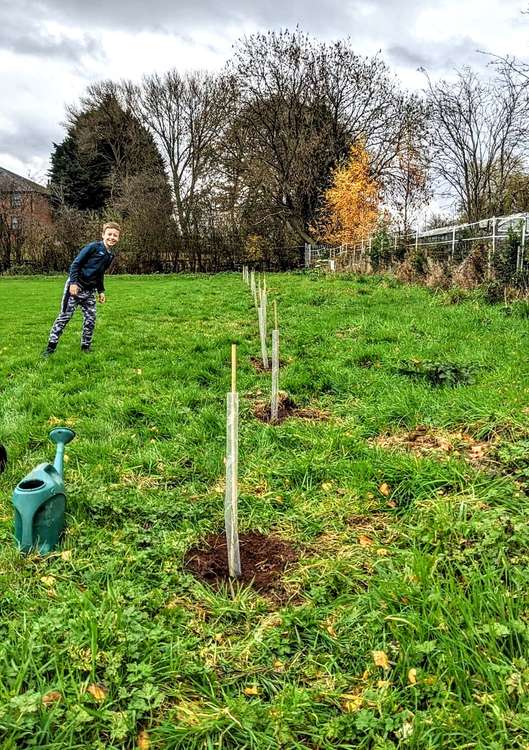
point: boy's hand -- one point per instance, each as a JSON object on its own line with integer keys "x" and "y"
{"x": 102, "y": 297}
{"x": 74, "y": 290}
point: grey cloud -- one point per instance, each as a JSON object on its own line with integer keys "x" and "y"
{"x": 30, "y": 140}
{"x": 405, "y": 56}
{"x": 26, "y": 37}
{"x": 185, "y": 15}
{"x": 439, "y": 58}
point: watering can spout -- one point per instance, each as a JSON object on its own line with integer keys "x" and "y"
{"x": 61, "y": 436}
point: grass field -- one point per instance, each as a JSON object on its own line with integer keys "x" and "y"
{"x": 405, "y": 620}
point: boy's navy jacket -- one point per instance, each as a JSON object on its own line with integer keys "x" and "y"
{"x": 88, "y": 268}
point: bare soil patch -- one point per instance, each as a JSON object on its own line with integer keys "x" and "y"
{"x": 424, "y": 441}
{"x": 287, "y": 407}
{"x": 257, "y": 364}
{"x": 263, "y": 561}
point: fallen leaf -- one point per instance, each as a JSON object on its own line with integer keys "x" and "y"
{"x": 364, "y": 541}
{"x": 331, "y": 631}
{"x": 48, "y": 580}
{"x": 383, "y": 684}
{"x": 351, "y": 703}
{"x": 66, "y": 554}
{"x": 383, "y": 552}
{"x": 412, "y": 676}
{"x": 143, "y": 742}
{"x": 253, "y": 690}
{"x": 392, "y": 504}
{"x": 326, "y": 486}
{"x": 381, "y": 659}
{"x": 97, "y": 692}
{"x": 384, "y": 489}
{"x": 279, "y": 666}
{"x": 52, "y": 697}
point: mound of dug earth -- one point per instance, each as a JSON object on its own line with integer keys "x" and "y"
{"x": 263, "y": 560}
{"x": 287, "y": 407}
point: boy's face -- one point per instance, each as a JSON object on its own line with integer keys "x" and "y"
{"x": 110, "y": 237}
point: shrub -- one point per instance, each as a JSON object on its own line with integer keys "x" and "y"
{"x": 439, "y": 373}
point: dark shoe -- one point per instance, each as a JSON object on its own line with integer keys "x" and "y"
{"x": 86, "y": 348}
{"x": 49, "y": 350}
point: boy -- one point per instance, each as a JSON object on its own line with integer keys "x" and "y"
{"x": 86, "y": 276}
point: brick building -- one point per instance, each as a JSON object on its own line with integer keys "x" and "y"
{"x": 21, "y": 200}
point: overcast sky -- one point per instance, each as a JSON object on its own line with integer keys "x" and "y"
{"x": 50, "y": 50}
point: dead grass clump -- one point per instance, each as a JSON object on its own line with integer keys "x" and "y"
{"x": 473, "y": 270}
{"x": 437, "y": 276}
{"x": 424, "y": 441}
{"x": 405, "y": 272}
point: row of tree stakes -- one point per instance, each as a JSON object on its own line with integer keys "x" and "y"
{"x": 259, "y": 293}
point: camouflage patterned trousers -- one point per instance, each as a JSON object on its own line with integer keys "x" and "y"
{"x": 87, "y": 302}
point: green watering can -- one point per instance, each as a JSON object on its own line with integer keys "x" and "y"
{"x": 40, "y": 501}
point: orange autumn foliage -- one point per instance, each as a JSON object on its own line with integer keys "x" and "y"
{"x": 351, "y": 205}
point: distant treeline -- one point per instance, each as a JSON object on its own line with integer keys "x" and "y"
{"x": 206, "y": 171}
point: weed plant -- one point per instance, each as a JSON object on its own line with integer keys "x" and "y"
{"x": 406, "y": 619}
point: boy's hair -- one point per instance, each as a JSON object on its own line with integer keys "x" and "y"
{"x": 111, "y": 225}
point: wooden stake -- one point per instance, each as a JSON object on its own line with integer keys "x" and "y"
{"x": 275, "y": 315}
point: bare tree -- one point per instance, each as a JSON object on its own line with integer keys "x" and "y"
{"x": 187, "y": 115}
{"x": 478, "y": 137}
{"x": 303, "y": 103}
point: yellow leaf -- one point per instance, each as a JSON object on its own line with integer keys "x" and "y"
{"x": 52, "y": 697}
{"x": 364, "y": 541}
{"x": 326, "y": 486}
{"x": 383, "y": 552}
{"x": 412, "y": 676}
{"x": 66, "y": 554}
{"x": 97, "y": 692}
{"x": 48, "y": 580}
{"x": 143, "y": 742}
{"x": 351, "y": 703}
{"x": 381, "y": 659}
{"x": 253, "y": 690}
{"x": 278, "y": 666}
{"x": 384, "y": 489}
{"x": 383, "y": 684}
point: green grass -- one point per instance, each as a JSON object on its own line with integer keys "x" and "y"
{"x": 435, "y": 574}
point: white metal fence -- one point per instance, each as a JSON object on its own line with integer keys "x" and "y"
{"x": 448, "y": 245}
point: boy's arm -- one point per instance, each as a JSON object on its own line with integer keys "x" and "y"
{"x": 78, "y": 262}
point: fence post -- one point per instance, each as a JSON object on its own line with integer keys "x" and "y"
{"x": 452, "y": 250}
{"x": 492, "y": 251}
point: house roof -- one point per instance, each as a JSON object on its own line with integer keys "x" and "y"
{"x": 11, "y": 182}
